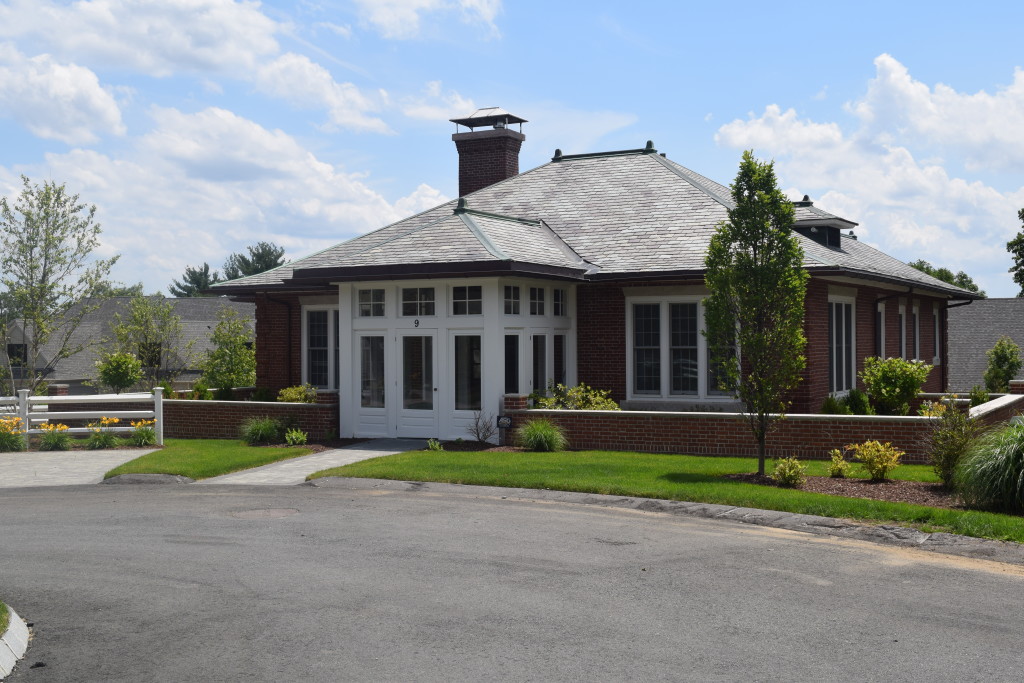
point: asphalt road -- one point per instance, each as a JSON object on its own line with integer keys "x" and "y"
{"x": 187, "y": 583}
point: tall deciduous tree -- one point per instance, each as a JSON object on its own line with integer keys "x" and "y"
{"x": 756, "y": 305}
{"x": 232, "y": 361}
{"x": 194, "y": 281}
{"x": 959, "y": 279}
{"x": 150, "y": 330}
{"x": 1016, "y": 249}
{"x": 262, "y": 257}
{"x": 47, "y": 274}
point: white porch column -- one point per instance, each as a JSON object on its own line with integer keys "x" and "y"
{"x": 347, "y": 380}
{"x": 493, "y": 345}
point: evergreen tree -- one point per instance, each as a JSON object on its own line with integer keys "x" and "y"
{"x": 262, "y": 257}
{"x": 194, "y": 282}
{"x": 756, "y": 305}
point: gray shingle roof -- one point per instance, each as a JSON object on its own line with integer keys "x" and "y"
{"x": 973, "y": 330}
{"x": 622, "y": 213}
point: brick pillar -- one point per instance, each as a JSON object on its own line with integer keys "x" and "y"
{"x": 512, "y": 402}
{"x": 1017, "y": 386}
{"x": 64, "y": 390}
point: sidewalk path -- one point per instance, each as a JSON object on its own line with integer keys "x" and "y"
{"x": 294, "y": 471}
{"x": 61, "y": 468}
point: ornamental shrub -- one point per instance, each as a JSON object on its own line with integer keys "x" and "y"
{"x": 542, "y": 435}
{"x": 434, "y": 445}
{"x": 200, "y": 391}
{"x": 261, "y": 431}
{"x": 978, "y": 395}
{"x": 834, "y": 406}
{"x": 295, "y": 437}
{"x": 55, "y": 437}
{"x": 789, "y": 472}
{"x": 893, "y": 382}
{"x": 952, "y": 435}
{"x": 11, "y": 435}
{"x": 119, "y": 371}
{"x": 303, "y": 393}
{"x": 1003, "y": 365}
{"x": 838, "y": 467}
{"x": 877, "y": 459}
{"x": 991, "y": 474}
{"x": 579, "y": 397}
{"x": 857, "y": 402}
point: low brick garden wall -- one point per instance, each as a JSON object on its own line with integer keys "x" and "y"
{"x": 185, "y": 419}
{"x": 728, "y": 434}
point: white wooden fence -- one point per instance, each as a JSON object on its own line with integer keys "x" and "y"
{"x": 36, "y": 410}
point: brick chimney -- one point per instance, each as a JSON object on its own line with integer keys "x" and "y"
{"x": 490, "y": 155}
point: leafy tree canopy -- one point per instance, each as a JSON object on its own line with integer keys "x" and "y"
{"x": 194, "y": 282}
{"x": 262, "y": 257}
{"x": 232, "y": 361}
{"x": 109, "y": 289}
{"x": 960, "y": 279}
{"x": 150, "y": 330}
{"x": 1016, "y": 249}
{"x": 757, "y": 283}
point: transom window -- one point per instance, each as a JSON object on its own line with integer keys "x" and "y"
{"x": 840, "y": 345}
{"x": 417, "y": 301}
{"x": 536, "y": 301}
{"x": 511, "y": 300}
{"x": 467, "y": 300}
{"x": 371, "y": 303}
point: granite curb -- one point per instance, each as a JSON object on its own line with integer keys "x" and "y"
{"x": 13, "y": 643}
{"x": 948, "y": 544}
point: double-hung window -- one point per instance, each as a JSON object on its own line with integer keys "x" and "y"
{"x": 841, "y": 344}
{"x": 915, "y": 330}
{"x": 880, "y": 329}
{"x": 936, "y": 334}
{"x": 903, "y": 330}
{"x": 320, "y": 333}
{"x": 669, "y": 356}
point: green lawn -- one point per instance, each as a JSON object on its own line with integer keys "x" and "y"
{"x": 204, "y": 458}
{"x": 674, "y": 477}
{"x": 5, "y": 618}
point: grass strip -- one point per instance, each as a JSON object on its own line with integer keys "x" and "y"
{"x": 675, "y": 477}
{"x": 5, "y": 618}
{"x": 205, "y": 458}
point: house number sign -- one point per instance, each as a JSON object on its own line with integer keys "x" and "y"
{"x": 416, "y": 323}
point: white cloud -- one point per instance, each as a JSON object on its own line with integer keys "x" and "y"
{"x": 297, "y": 79}
{"x": 890, "y": 172}
{"x": 437, "y": 105}
{"x": 203, "y": 185}
{"x": 401, "y": 19}
{"x": 56, "y": 101}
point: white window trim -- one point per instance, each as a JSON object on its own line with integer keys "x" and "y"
{"x": 839, "y": 299}
{"x": 937, "y": 334}
{"x": 332, "y": 335}
{"x": 370, "y": 289}
{"x": 703, "y": 393}
{"x": 400, "y": 302}
{"x": 451, "y": 302}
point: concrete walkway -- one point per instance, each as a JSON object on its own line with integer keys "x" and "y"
{"x": 61, "y": 468}
{"x": 296, "y": 470}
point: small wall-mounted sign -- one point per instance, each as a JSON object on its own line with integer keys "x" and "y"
{"x": 504, "y": 422}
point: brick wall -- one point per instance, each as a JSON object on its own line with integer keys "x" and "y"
{"x": 223, "y": 419}
{"x": 278, "y": 341}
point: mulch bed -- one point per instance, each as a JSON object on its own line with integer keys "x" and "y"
{"x": 895, "y": 490}
{"x": 479, "y": 446}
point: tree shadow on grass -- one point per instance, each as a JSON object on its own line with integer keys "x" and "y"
{"x": 695, "y": 478}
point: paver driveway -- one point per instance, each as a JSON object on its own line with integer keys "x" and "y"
{"x": 61, "y": 468}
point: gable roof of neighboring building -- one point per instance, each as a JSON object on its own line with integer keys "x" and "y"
{"x": 973, "y": 330}
{"x": 199, "y": 316}
{"x": 616, "y": 215}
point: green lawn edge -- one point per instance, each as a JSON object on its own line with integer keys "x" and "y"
{"x": 5, "y": 618}
{"x": 205, "y": 458}
{"x": 675, "y": 477}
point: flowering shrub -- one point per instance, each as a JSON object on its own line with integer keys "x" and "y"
{"x": 55, "y": 437}
{"x": 144, "y": 434}
{"x": 101, "y": 435}
{"x": 11, "y": 434}
{"x": 933, "y": 408}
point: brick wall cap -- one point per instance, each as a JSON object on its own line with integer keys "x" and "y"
{"x": 213, "y": 403}
{"x": 978, "y": 412}
{"x": 802, "y": 417}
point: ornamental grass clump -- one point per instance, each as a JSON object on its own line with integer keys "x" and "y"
{"x": 991, "y": 474}
{"x": 143, "y": 433}
{"x": 257, "y": 431}
{"x": 54, "y": 437}
{"x": 877, "y": 459}
{"x": 542, "y": 435}
{"x": 101, "y": 434}
{"x": 11, "y": 435}
{"x": 789, "y": 473}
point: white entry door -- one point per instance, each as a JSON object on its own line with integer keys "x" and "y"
{"x": 417, "y": 384}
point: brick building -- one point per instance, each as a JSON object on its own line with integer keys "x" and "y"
{"x": 588, "y": 268}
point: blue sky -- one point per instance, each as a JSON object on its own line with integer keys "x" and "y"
{"x": 198, "y": 127}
